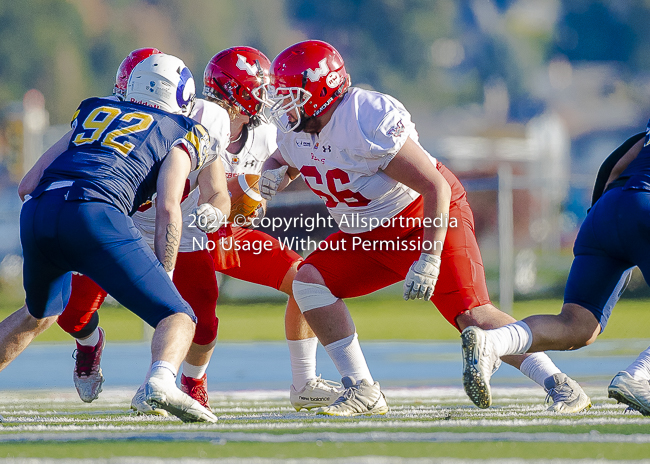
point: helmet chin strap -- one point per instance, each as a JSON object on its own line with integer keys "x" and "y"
{"x": 304, "y": 119}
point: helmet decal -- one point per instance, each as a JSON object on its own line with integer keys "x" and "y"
{"x": 242, "y": 64}
{"x": 315, "y": 74}
{"x": 186, "y": 88}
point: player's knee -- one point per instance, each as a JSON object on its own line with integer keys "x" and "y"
{"x": 580, "y": 324}
{"x": 309, "y": 295}
{"x": 206, "y": 331}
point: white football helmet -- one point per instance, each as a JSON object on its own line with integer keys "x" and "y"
{"x": 164, "y": 82}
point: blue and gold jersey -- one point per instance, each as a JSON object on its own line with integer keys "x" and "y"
{"x": 116, "y": 151}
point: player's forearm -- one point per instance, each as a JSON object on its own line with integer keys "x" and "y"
{"x": 436, "y": 207}
{"x": 33, "y": 176}
{"x": 169, "y": 224}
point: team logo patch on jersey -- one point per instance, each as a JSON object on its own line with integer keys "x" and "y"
{"x": 235, "y": 160}
{"x": 397, "y": 130}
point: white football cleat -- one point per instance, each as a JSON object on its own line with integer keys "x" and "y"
{"x": 140, "y": 405}
{"x": 316, "y": 394}
{"x": 566, "y": 395}
{"x": 167, "y": 396}
{"x": 635, "y": 393}
{"x": 357, "y": 399}
{"x": 479, "y": 363}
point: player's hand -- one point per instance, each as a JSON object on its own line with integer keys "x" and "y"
{"x": 209, "y": 218}
{"x": 270, "y": 182}
{"x": 422, "y": 277}
{"x": 255, "y": 219}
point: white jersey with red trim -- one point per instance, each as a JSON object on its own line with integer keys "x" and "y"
{"x": 343, "y": 164}
{"x": 216, "y": 120}
{"x": 260, "y": 144}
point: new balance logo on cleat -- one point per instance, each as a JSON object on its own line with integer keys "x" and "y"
{"x": 316, "y": 394}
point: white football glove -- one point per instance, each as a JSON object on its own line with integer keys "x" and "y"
{"x": 209, "y": 218}
{"x": 270, "y": 182}
{"x": 422, "y": 277}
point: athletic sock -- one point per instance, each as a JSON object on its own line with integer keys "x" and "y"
{"x": 640, "y": 368}
{"x": 538, "y": 367}
{"x": 163, "y": 370}
{"x": 513, "y": 338}
{"x": 91, "y": 340}
{"x": 348, "y": 358}
{"x": 195, "y": 372}
{"x": 302, "y": 354}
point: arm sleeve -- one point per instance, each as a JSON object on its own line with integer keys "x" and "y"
{"x": 388, "y": 138}
{"x": 609, "y": 163}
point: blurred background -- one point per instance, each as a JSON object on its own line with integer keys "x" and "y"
{"x": 522, "y": 99}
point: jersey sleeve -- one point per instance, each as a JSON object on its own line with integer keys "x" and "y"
{"x": 385, "y": 130}
{"x": 217, "y": 122}
{"x": 196, "y": 142}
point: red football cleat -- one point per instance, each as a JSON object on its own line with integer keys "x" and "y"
{"x": 87, "y": 374}
{"x": 196, "y": 388}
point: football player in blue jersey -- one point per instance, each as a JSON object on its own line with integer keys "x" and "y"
{"x": 77, "y": 219}
{"x": 613, "y": 239}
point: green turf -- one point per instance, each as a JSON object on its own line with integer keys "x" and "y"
{"x": 474, "y": 450}
{"x": 386, "y": 317}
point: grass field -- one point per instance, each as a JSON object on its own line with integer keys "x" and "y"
{"x": 422, "y": 423}
{"x": 385, "y": 318}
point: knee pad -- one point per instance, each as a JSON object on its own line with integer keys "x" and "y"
{"x": 311, "y": 296}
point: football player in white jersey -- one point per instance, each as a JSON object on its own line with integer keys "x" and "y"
{"x": 194, "y": 274}
{"x": 229, "y": 79}
{"x": 402, "y": 214}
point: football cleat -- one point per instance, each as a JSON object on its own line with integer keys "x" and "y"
{"x": 316, "y": 394}
{"x": 358, "y": 399}
{"x": 565, "y": 395}
{"x": 139, "y": 405}
{"x": 87, "y": 375}
{"x": 165, "y": 395}
{"x": 479, "y": 363}
{"x": 635, "y": 393}
{"x": 197, "y": 389}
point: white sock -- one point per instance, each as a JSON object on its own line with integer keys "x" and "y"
{"x": 163, "y": 370}
{"x": 538, "y": 367}
{"x": 91, "y": 340}
{"x": 302, "y": 354}
{"x": 195, "y": 372}
{"x": 348, "y": 358}
{"x": 513, "y": 338}
{"x": 640, "y": 368}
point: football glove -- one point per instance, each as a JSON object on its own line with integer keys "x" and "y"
{"x": 422, "y": 277}
{"x": 270, "y": 182}
{"x": 209, "y": 218}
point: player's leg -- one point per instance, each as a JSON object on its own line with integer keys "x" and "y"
{"x": 196, "y": 281}
{"x": 461, "y": 296}
{"x": 80, "y": 319}
{"x": 276, "y": 267}
{"x": 45, "y": 278}
{"x": 308, "y": 390}
{"x": 340, "y": 271}
{"x": 110, "y": 250}
{"x": 595, "y": 283}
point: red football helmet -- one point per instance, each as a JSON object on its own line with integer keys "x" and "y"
{"x": 308, "y": 77}
{"x": 127, "y": 65}
{"x": 233, "y": 74}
